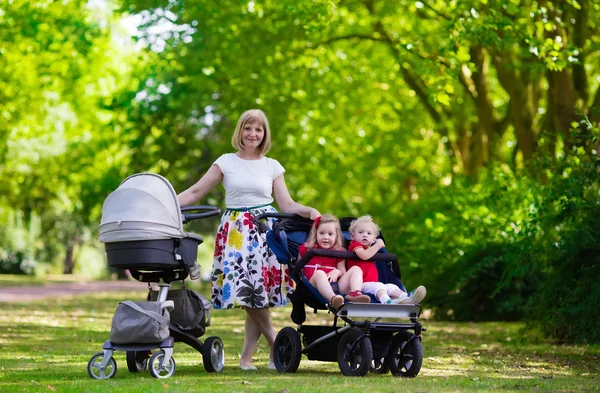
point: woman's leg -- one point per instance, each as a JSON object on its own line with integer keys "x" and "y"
{"x": 251, "y": 336}
{"x": 261, "y": 320}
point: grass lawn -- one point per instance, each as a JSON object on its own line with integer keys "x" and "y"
{"x": 46, "y": 346}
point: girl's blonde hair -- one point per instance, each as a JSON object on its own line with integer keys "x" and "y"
{"x": 324, "y": 219}
{"x": 366, "y": 219}
{"x": 249, "y": 117}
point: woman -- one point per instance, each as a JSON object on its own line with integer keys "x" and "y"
{"x": 245, "y": 272}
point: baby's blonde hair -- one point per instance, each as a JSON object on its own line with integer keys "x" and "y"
{"x": 366, "y": 219}
{"x": 312, "y": 236}
{"x": 252, "y": 116}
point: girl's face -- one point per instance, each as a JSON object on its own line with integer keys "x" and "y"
{"x": 326, "y": 234}
{"x": 252, "y": 135}
{"x": 364, "y": 233}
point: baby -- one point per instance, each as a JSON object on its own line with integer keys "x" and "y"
{"x": 363, "y": 233}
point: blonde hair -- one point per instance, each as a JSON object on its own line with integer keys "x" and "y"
{"x": 311, "y": 241}
{"x": 366, "y": 219}
{"x": 249, "y": 117}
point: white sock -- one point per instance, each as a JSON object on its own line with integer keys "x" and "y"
{"x": 384, "y": 298}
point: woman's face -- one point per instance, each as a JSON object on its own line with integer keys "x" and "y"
{"x": 252, "y": 135}
{"x": 326, "y": 235}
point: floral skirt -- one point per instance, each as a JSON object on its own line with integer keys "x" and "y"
{"x": 245, "y": 271}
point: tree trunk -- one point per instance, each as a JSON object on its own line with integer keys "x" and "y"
{"x": 564, "y": 98}
{"x": 519, "y": 105}
{"x": 485, "y": 113}
{"x": 69, "y": 261}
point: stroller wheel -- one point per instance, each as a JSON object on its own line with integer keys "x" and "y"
{"x": 158, "y": 369}
{"x": 287, "y": 350}
{"x": 405, "y": 356}
{"x": 95, "y": 370}
{"x": 379, "y": 366}
{"x": 137, "y": 361}
{"x": 213, "y": 355}
{"x": 355, "y": 353}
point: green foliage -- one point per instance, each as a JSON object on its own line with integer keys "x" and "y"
{"x": 458, "y": 125}
{"x": 16, "y": 263}
{"x": 563, "y": 251}
{"x": 510, "y": 248}
{"x": 458, "y": 243}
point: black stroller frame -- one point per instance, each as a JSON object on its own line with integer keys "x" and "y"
{"x": 365, "y": 342}
{"x": 160, "y": 261}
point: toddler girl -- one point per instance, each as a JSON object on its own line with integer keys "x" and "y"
{"x": 326, "y": 234}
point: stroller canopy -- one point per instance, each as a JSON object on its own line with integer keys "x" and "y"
{"x": 143, "y": 207}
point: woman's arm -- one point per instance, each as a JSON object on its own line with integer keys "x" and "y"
{"x": 211, "y": 178}
{"x": 286, "y": 203}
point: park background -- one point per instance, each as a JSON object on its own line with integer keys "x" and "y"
{"x": 467, "y": 129}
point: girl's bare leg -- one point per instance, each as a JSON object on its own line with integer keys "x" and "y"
{"x": 351, "y": 281}
{"x": 320, "y": 281}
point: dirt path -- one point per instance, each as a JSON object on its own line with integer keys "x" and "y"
{"x": 28, "y": 293}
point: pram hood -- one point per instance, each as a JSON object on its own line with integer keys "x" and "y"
{"x": 143, "y": 207}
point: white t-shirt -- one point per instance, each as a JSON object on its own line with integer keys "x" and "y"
{"x": 248, "y": 182}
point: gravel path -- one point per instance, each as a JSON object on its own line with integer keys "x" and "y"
{"x": 28, "y": 293}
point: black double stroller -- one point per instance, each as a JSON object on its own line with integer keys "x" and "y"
{"x": 362, "y": 338}
{"x": 142, "y": 228}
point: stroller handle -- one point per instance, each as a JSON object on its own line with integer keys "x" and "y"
{"x": 263, "y": 227}
{"x": 314, "y": 252}
{"x": 208, "y": 211}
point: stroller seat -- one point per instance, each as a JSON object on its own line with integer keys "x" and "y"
{"x": 364, "y": 343}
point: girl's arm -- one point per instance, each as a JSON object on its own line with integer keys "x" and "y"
{"x": 366, "y": 254}
{"x": 286, "y": 203}
{"x": 211, "y": 178}
{"x": 341, "y": 266}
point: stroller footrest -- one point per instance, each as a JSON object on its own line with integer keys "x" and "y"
{"x": 375, "y": 310}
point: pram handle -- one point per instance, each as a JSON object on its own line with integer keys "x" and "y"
{"x": 315, "y": 252}
{"x": 209, "y": 211}
{"x": 263, "y": 228}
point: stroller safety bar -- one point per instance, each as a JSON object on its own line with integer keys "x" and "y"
{"x": 314, "y": 252}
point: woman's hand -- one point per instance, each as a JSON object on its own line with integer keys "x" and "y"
{"x": 334, "y": 275}
{"x": 314, "y": 213}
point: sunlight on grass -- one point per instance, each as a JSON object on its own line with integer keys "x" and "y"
{"x": 49, "y": 342}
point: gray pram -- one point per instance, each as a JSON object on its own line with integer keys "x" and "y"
{"x": 142, "y": 229}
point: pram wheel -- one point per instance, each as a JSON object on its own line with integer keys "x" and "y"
{"x": 355, "y": 353}
{"x": 287, "y": 350}
{"x": 94, "y": 367}
{"x": 137, "y": 361}
{"x": 405, "y": 356}
{"x": 158, "y": 369}
{"x": 379, "y": 366}
{"x": 213, "y": 355}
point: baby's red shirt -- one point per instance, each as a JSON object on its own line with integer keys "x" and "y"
{"x": 368, "y": 267}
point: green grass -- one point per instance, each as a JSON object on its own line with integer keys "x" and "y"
{"x": 46, "y": 346}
